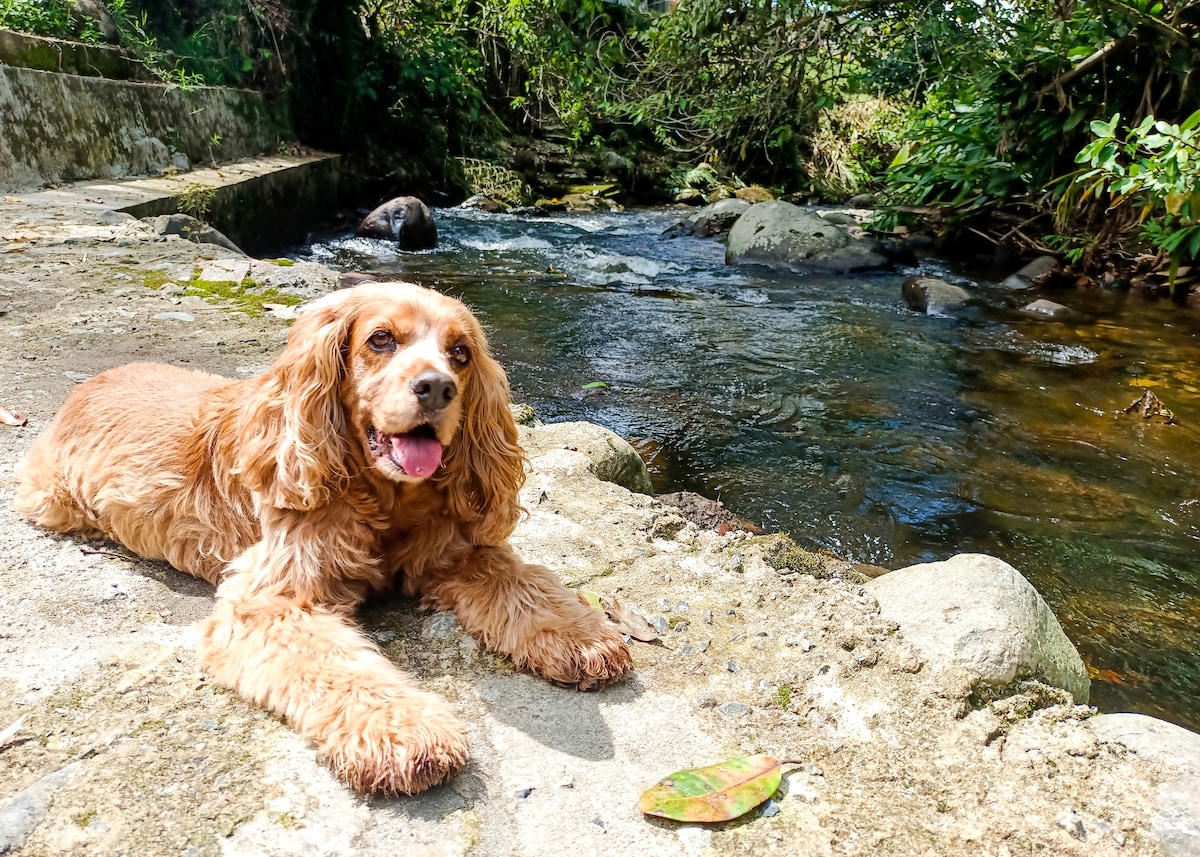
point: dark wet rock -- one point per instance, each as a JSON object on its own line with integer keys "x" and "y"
{"x": 1033, "y": 274}
{"x": 191, "y": 229}
{"x": 896, "y": 252}
{"x": 710, "y": 220}
{"x": 920, "y": 242}
{"x": 781, "y": 235}
{"x": 861, "y": 200}
{"x": 933, "y": 296}
{"x": 1046, "y": 309}
{"x": 405, "y": 220}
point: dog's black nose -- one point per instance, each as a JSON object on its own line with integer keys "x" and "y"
{"x": 434, "y": 390}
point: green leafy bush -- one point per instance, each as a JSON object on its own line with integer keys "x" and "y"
{"x": 1152, "y": 168}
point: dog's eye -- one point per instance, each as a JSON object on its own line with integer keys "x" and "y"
{"x": 460, "y": 354}
{"x": 382, "y": 340}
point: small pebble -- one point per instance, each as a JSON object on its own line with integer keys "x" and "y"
{"x": 706, "y": 617}
{"x": 521, "y": 794}
{"x": 734, "y": 708}
{"x": 770, "y": 808}
{"x": 813, "y": 770}
{"x": 385, "y": 636}
{"x": 704, "y": 646}
{"x": 174, "y": 316}
{"x": 659, "y": 623}
{"x": 686, "y": 650}
{"x": 1071, "y": 823}
{"x": 731, "y": 666}
{"x": 599, "y": 822}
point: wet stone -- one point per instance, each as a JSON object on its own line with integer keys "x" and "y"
{"x": 734, "y": 709}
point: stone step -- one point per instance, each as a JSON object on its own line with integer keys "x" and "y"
{"x": 258, "y": 203}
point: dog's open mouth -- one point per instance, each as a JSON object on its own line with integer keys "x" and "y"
{"x": 416, "y": 453}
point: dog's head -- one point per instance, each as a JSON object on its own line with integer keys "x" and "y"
{"x": 402, "y": 374}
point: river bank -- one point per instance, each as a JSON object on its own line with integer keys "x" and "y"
{"x": 122, "y": 747}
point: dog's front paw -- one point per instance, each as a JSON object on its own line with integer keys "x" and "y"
{"x": 402, "y": 747}
{"x": 586, "y": 658}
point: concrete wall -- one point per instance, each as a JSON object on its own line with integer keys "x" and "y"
{"x": 61, "y": 127}
{"x": 26, "y": 51}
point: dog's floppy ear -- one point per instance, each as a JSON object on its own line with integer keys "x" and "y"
{"x": 485, "y": 467}
{"x": 290, "y": 440}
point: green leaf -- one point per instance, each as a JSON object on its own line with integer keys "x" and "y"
{"x": 594, "y": 385}
{"x": 715, "y": 793}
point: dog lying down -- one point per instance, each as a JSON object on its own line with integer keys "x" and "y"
{"x": 376, "y": 454}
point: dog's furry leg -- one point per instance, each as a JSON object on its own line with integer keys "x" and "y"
{"x": 310, "y": 665}
{"x": 525, "y": 612}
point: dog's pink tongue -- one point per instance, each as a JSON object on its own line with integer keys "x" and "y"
{"x": 419, "y": 456}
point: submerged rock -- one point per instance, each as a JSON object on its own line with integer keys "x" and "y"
{"x": 1046, "y": 309}
{"x": 782, "y": 235}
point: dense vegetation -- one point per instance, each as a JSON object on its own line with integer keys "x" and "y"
{"x": 1037, "y": 124}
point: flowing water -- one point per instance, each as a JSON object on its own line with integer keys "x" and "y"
{"x": 821, "y": 406}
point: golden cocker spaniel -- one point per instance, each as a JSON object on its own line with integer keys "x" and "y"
{"x": 376, "y": 453}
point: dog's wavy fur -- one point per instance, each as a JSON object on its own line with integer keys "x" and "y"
{"x": 276, "y": 489}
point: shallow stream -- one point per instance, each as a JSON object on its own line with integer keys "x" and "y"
{"x": 823, "y": 407}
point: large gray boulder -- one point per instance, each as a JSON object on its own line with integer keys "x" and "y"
{"x": 782, "y": 235}
{"x": 978, "y": 612}
{"x": 405, "y": 220}
{"x": 1176, "y": 824}
{"x": 612, "y": 458}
